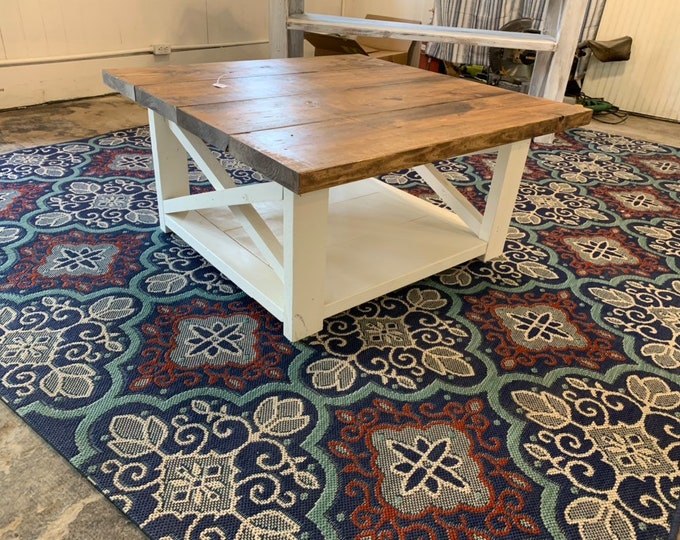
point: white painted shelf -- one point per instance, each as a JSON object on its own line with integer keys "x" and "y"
{"x": 379, "y": 239}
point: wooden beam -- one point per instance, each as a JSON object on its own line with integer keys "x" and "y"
{"x": 283, "y": 41}
{"x": 248, "y": 194}
{"x": 326, "y": 24}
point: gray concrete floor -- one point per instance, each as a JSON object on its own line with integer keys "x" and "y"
{"x": 42, "y": 496}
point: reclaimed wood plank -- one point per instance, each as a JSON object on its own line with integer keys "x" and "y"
{"x": 324, "y": 154}
{"x": 192, "y": 85}
{"x": 238, "y": 69}
{"x": 217, "y": 122}
{"x": 188, "y": 93}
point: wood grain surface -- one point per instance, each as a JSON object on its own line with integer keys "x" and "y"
{"x": 311, "y": 123}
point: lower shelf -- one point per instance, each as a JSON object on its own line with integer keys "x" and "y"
{"x": 379, "y": 239}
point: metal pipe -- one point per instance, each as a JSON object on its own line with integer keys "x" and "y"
{"x": 128, "y": 52}
{"x": 182, "y": 48}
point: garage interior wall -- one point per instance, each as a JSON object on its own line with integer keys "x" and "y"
{"x": 53, "y": 50}
{"x": 648, "y": 83}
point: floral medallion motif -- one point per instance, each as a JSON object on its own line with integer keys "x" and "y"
{"x": 182, "y": 269}
{"x": 7, "y": 196}
{"x": 427, "y": 468}
{"x": 138, "y": 138}
{"x": 236, "y": 346}
{"x": 16, "y": 200}
{"x": 471, "y": 171}
{"x": 132, "y": 163}
{"x": 396, "y": 342}
{"x": 574, "y": 140}
{"x": 79, "y": 261}
{"x": 660, "y": 165}
{"x": 45, "y": 162}
{"x": 405, "y": 178}
{"x": 584, "y": 167}
{"x": 208, "y": 470}
{"x": 541, "y": 331}
{"x": 521, "y": 261}
{"x": 9, "y": 235}
{"x": 643, "y": 202}
{"x": 661, "y": 236}
{"x": 606, "y": 253}
{"x": 601, "y": 251}
{"x": 470, "y": 175}
{"x": 214, "y": 341}
{"x": 435, "y": 471}
{"x": 619, "y": 449}
{"x": 619, "y": 145}
{"x": 240, "y": 172}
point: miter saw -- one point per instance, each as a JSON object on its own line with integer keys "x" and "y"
{"x": 512, "y": 67}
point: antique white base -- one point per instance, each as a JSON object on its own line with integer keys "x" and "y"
{"x": 307, "y": 257}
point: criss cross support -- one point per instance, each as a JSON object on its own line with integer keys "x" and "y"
{"x": 286, "y": 276}
{"x": 453, "y": 198}
{"x": 507, "y": 176}
{"x": 491, "y": 226}
{"x": 173, "y": 187}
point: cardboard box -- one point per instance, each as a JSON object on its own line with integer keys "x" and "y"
{"x": 399, "y": 51}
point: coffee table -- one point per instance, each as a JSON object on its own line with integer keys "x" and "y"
{"x": 323, "y": 235}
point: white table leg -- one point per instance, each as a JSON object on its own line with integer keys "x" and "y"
{"x": 170, "y": 164}
{"x": 502, "y": 196}
{"x": 305, "y": 224}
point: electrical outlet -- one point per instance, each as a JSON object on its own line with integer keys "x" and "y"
{"x": 162, "y": 49}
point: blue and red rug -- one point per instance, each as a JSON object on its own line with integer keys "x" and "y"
{"x": 535, "y": 396}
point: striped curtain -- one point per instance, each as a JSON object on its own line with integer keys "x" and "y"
{"x": 492, "y": 15}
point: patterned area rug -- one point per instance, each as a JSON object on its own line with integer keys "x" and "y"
{"x": 535, "y": 396}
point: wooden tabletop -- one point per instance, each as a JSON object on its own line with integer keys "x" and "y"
{"x": 311, "y": 123}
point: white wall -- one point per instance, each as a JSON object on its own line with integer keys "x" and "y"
{"x": 648, "y": 83}
{"x": 55, "y": 49}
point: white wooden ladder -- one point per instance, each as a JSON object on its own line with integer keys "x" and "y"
{"x": 555, "y": 47}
